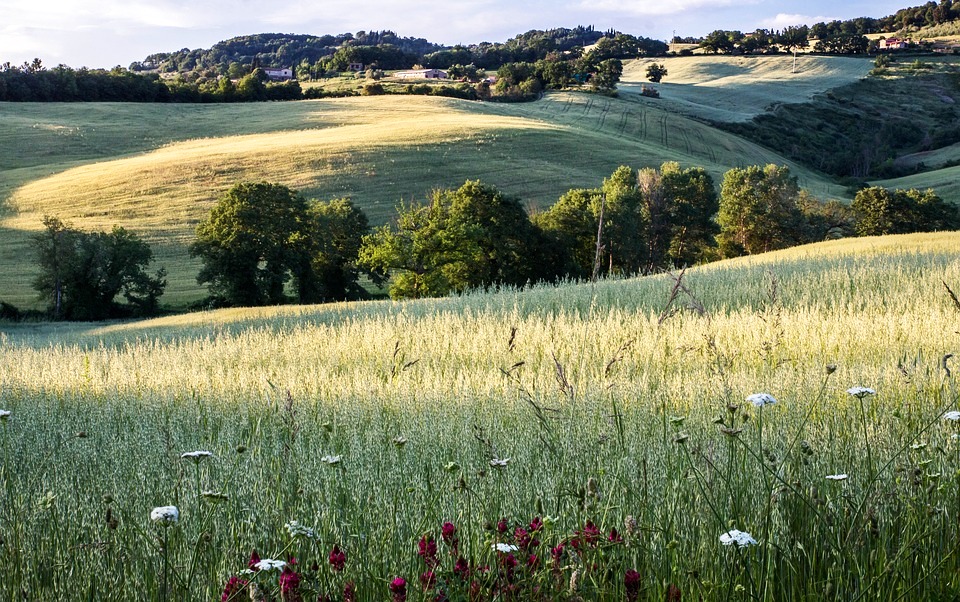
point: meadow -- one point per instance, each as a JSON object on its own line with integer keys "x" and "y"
{"x": 620, "y": 405}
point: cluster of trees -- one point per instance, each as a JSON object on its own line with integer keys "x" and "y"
{"x": 929, "y": 14}
{"x": 83, "y": 273}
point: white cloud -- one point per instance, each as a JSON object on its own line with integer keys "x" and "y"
{"x": 787, "y": 20}
{"x": 666, "y": 7}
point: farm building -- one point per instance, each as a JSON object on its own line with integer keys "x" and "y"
{"x": 278, "y": 74}
{"x": 892, "y": 44}
{"x": 421, "y": 74}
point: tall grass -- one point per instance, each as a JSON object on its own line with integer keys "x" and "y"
{"x": 621, "y": 399}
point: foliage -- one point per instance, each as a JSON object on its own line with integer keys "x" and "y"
{"x": 881, "y": 211}
{"x": 82, "y": 273}
{"x": 337, "y": 228}
{"x": 758, "y": 210}
{"x": 656, "y": 72}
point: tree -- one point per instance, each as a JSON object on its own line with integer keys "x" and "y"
{"x": 256, "y": 237}
{"x": 656, "y": 72}
{"x": 337, "y": 230}
{"x": 607, "y": 75}
{"x": 679, "y": 206}
{"x": 758, "y": 210}
{"x": 881, "y": 211}
{"x": 82, "y": 273}
{"x": 570, "y": 227}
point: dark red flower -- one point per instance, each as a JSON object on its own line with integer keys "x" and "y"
{"x": 533, "y": 561}
{"x": 461, "y": 568}
{"x": 588, "y": 536}
{"x": 509, "y": 563}
{"x": 502, "y": 525}
{"x": 535, "y": 525}
{"x": 614, "y": 537}
{"x": 338, "y": 558}
{"x": 233, "y": 588}
{"x": 428, "y": 579}
{"x": 557, "y": 553}
{"x": 254, "y": 559}
{"x": 427, "y": 549}
{"x": 448, "y": 532}
{"x": 289, "y": 581}
{"x": 398, "y": 589}
{"x": 349, "y": 591}
{"x": 631, "y": 584}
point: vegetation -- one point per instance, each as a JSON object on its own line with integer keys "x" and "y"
{"x": 82, "y": 273}
{"x": 374, "y": 424}
{"x": 884, "y": 211}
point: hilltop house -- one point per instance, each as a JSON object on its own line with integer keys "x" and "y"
{"x": 281, "y": 74}
{"x": 421, "y": 74}
{"x": 892, "y": 44}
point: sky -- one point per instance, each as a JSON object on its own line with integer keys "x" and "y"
{"x": 106, "y": 33}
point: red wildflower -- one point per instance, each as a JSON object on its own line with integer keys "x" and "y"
{"x": 398, "y": 589}
{"x": 254, "y": 559}
{"x": 349, "y": 591}
{"x": 428, "y": 579}
{"x": 233, "y": 587}
{"x": 533, "y": 562}
{"x": 338, "y": 558}
{"x": 289, "y": 583}
{"x": 614, "y": 537}
{"x": 427, "y": 549}
{"x": 509, "y": 563}
{"x": 461, "y": 568}
{"x": 589, "y": 535}
{"x": 448, "y": 533}
{"x": 557, "y": 553}
{"x": 535, "y": 525}
{"x": 631, "y": 583}
{"x": 502, "y": 525}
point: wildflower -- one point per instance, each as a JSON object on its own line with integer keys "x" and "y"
{"x": 349, "y": 591}
{"x": 427, "y": 549}
{"x": 254, "y": 559}
{"x": 631, "y": 583}
{"x": 196, "y": 456}
{"x": 4, "y": 414}
{"x": 289, "y": 582}
{"x": 861, "y": 392}
{"x": 681, "y": 437}
{"x": 461, "y": 568}
{"x": 590, "y": 535}
{"x": 557, "y": 553}
{"x": 614, "y": 537}
{"x": 428, "y": 579}
{"x": 761, "y": 399}
{"x": 630, "y": 525}
{"x": 398, "y": 589}
{"x": 504, "y": 548}
{"x": 331, "y": 460}
{"x": 502, "y": 525}
{"x": 233, "y": 587}
{"x": 448, "y": 533}
{"x": 451, "y": 467}
{"x": 269, "y": 564}
{"x": 165, "y": 514}
{"x": 499, "y": 463}
{"x": 741, "y": 538}
{"x": 215, "y": 496}
{"x": 533, "y": 561}
{"x": 837, "y": 477}
{"x": 535, "y": 525}
{"x": 952, "y": 415}
{"x": 295, "y": 529}
{"x": 337, "y": 558}
{"x": 400, "y": 441}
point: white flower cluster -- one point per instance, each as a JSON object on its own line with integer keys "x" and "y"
{"x": 499, "y": 462}
{"x": 269, "y": 564}
{"x": 331, "y": 460}
{"x": 165, "y": 515}
{"x": 295, "y": 529}
{"x": 952, "y": 415}
{"x": 741, "y": 538}
{"x": 837, "y": 477}
{"x": 4, "y": 414}
{"x": 196, "y": 456}
{"x": 861, "y": 392}
{"x": 505, "y": 548}
{"x": 761, "y": 399}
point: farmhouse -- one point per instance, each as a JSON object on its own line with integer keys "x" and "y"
{"x": 281, "y": 74}
{"x": 421, "y": 74}
{"x": 893, "y": 44}
{"x": 355, "y": 67}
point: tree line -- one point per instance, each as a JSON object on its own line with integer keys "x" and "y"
{"x": 265, "y": 244}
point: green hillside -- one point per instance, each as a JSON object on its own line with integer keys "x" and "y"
{"x": 157, "y": 169}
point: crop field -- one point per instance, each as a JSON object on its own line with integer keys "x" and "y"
{"x": 157, "y": 170}
{"x": 738, "y": 88}
{"x": 569, "y": 435}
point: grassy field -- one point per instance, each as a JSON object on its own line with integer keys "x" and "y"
{"x": 158, "y": 169}
{"x": 738, "y": 88}
{"x": 605, "y": 398}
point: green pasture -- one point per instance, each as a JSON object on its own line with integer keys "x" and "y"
{"x": 609, "y": 400}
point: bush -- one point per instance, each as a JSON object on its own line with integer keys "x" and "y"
{"x": 374, "y": 89}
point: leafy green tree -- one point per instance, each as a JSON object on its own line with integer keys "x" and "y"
{"x": 337, "y": 230}
{"x": 471, "y": 237}
{"x": 570, "y": 227}
{"x": 656, "y": 72}
{"x": 758, "y": 210}
{"x": 624, "y": 225}
{"x": 679, "y": 206}
{"x": 607, "y": 75}
{"x": 82, "y": 273}
{"x": 256, "y": 237}
{"x": 881, "y": 211}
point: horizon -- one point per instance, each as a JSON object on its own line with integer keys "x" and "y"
{"x": 107, "y": 33}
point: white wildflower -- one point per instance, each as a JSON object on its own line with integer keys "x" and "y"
{"x": 216, "y": 496}
{"x": 331, "y": 460}
{"x": 761, "y": 399}
{"x": 861, "y": 392}
{"x": 295, "y": 529}
{"x": 196, "y": 456}
{"x": 4, "y": 414}
{"x": 504, "y": 548}
{"x": 741, "y": 538}
{"x": 400, "y": 441}
{"x": 165, "y": 514}
{"x": 269, "y": 564}
{"x": 952, "y": 415}
{"x": 837, "y": 477}
{"x": 499, "y": 463}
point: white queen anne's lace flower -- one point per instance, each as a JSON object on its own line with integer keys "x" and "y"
{"x": 499, "y": 462}
{"x": 269, "y": 564}
{"x": 761, "y": 399}
{"x": 741, "y": 538}
{"x": 331, "y": 460}
{"x": 165, "y": 514}
{"x": 837, "y": 477}
{"x": 4, "y": 414}
{"x": 861, "y": 392}
{"x": 295, "y": 529}
{"x": 196, "y": 456}
{"x": 952, "y": 415}
{"x": 505, "y": 548}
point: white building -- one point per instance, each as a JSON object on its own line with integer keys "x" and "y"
{"x": 278, "y": 74}
{"x": 421, "y": 74}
